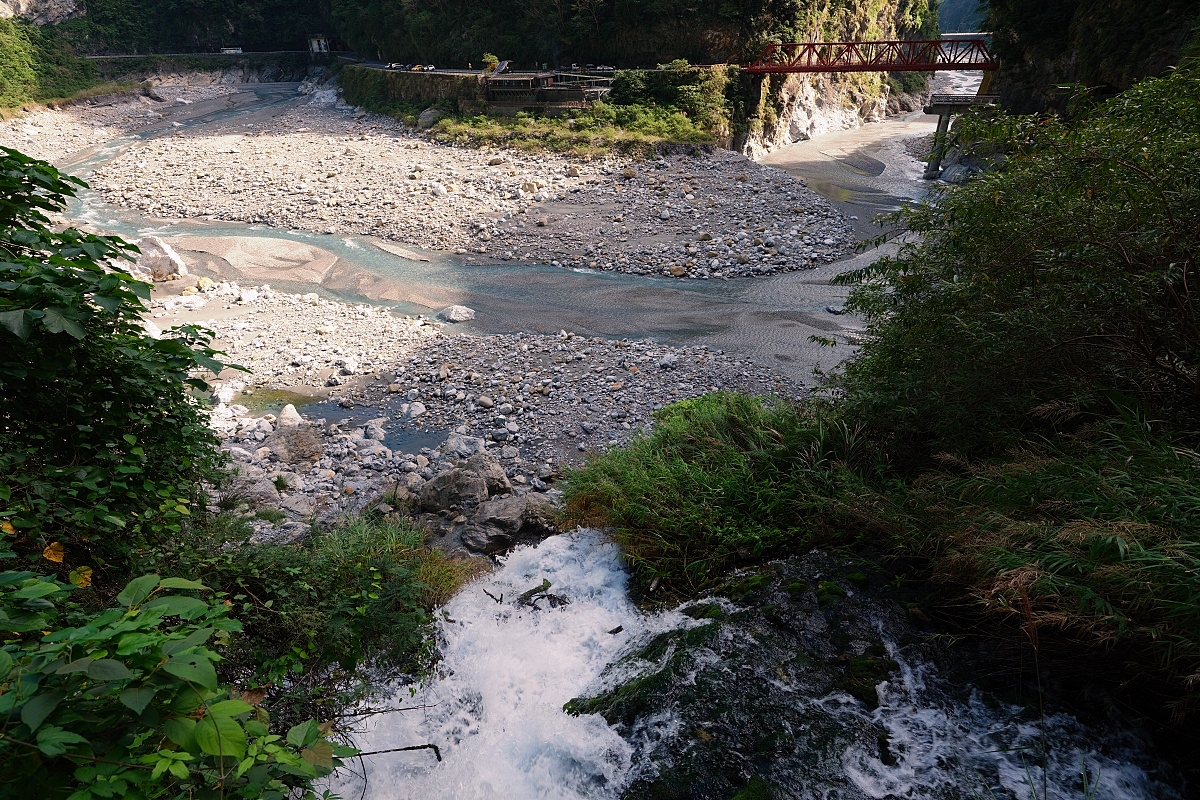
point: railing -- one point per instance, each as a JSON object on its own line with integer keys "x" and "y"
{"x": 881, "y": 56}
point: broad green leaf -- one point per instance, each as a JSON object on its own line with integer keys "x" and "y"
{"x": 107, "y": 669}
{"x": 345, "y": 751}
{"x": 16, "y": 323}
{"x": 136, "y": 699}
{"x": 194, "y": 639}
{"x": 38, "y": 707}
{"x": 6, "y": 663}
{"x": 35, "y": 590}
{"x": 182, "y": 731}
{"x": 194, "y": 668}
{"x": 133, "y": 642}
{"x": 221, "y": 736}
{"x": 181, "y": 583}
{"x": 56, "y": 321}
{"x": 256, "y": 728}
{"x": 229, "y": 708}
{"x": 54, "y": 741}
{"x": 175, "y": 606}
{"x": 137, "y": 590}
{"x": 304, "y": 734}
{"x": 78, "y": 665}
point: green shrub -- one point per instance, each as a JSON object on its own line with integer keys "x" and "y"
{"x": 325, "y": 620}
{"x": 1096, "y": 535}
{"x": 101, "y": 448}
{"x": 126, "y": 702}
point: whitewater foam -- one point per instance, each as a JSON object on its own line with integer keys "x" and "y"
{"x": 495, "y": 708}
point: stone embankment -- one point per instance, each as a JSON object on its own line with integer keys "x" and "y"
{"x": 510, "y": 412}
{"x": 328, "y": 169}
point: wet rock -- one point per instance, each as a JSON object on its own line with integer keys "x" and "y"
{"x": 487, "y": 539}
{"x": 507, "y": 513}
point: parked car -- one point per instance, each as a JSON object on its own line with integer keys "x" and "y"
{"x": 430, "y": 67}
{"x": 417, "y": 67}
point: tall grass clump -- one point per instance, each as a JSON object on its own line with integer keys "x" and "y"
{"x": 724, "y": 480}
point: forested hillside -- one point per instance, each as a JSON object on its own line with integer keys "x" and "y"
{"x": 1110, "y": 44}
{"x": 957, "y": 16}
{"x": 624, "y": 33}
{"x": 162, "y": 26}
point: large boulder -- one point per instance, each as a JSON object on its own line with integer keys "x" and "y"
{"x": 487, "y": 539}
{"x": 455, "y": 487}
{"x": 506, "y": 513}
{"x": 501, "y": 522}
{"x": 464, "y": 445}
{"x": 289, "y": 417}
{"x": 158, "y": 261}
{"x": 488, "y": 468}
{"x": 457, "y": 314}
{"x": 294, "y": 444}
{"x": 261, "y": 493}
{"x": 429, "y": 117}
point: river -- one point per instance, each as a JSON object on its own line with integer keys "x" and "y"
{"x": 769, "y": 319}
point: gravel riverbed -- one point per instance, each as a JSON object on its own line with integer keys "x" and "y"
{"x": 469, "y": 433}
{"x": 53, "y": 134}
{"x": 405, "y": 403}
{"x": 321, "y": 168}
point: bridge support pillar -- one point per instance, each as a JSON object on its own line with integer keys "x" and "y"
{"x": 933, "y": 168}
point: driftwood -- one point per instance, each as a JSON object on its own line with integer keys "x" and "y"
{"x": 432, "y": 747}
{"x": 542, "y": 592}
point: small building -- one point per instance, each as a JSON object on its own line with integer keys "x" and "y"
{"x": 231, "y": 51}
{"x": 318, "y": 43}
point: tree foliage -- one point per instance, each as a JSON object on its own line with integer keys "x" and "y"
{"x": 625, "y": 33}
{"x": 1047, "y": 291}
{"x": 36, "y": 66}
{"x": 1099, "y": 43}
{"x": 185, "y": 26}
{"x": 101, "y": 446}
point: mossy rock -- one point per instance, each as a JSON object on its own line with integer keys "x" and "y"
{"x": 862, "y": 674}
{"x": 756, "y": 789}
{"x": 738, "y": 588}
{"x": 705, "y": 611}
{"x": 829, "y": 593}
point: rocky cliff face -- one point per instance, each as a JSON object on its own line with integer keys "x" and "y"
{"x": 42, "y": 12}
{"x": 798, "y": 107}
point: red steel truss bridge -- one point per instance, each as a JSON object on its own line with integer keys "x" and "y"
{"x": 883, "y": 56}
